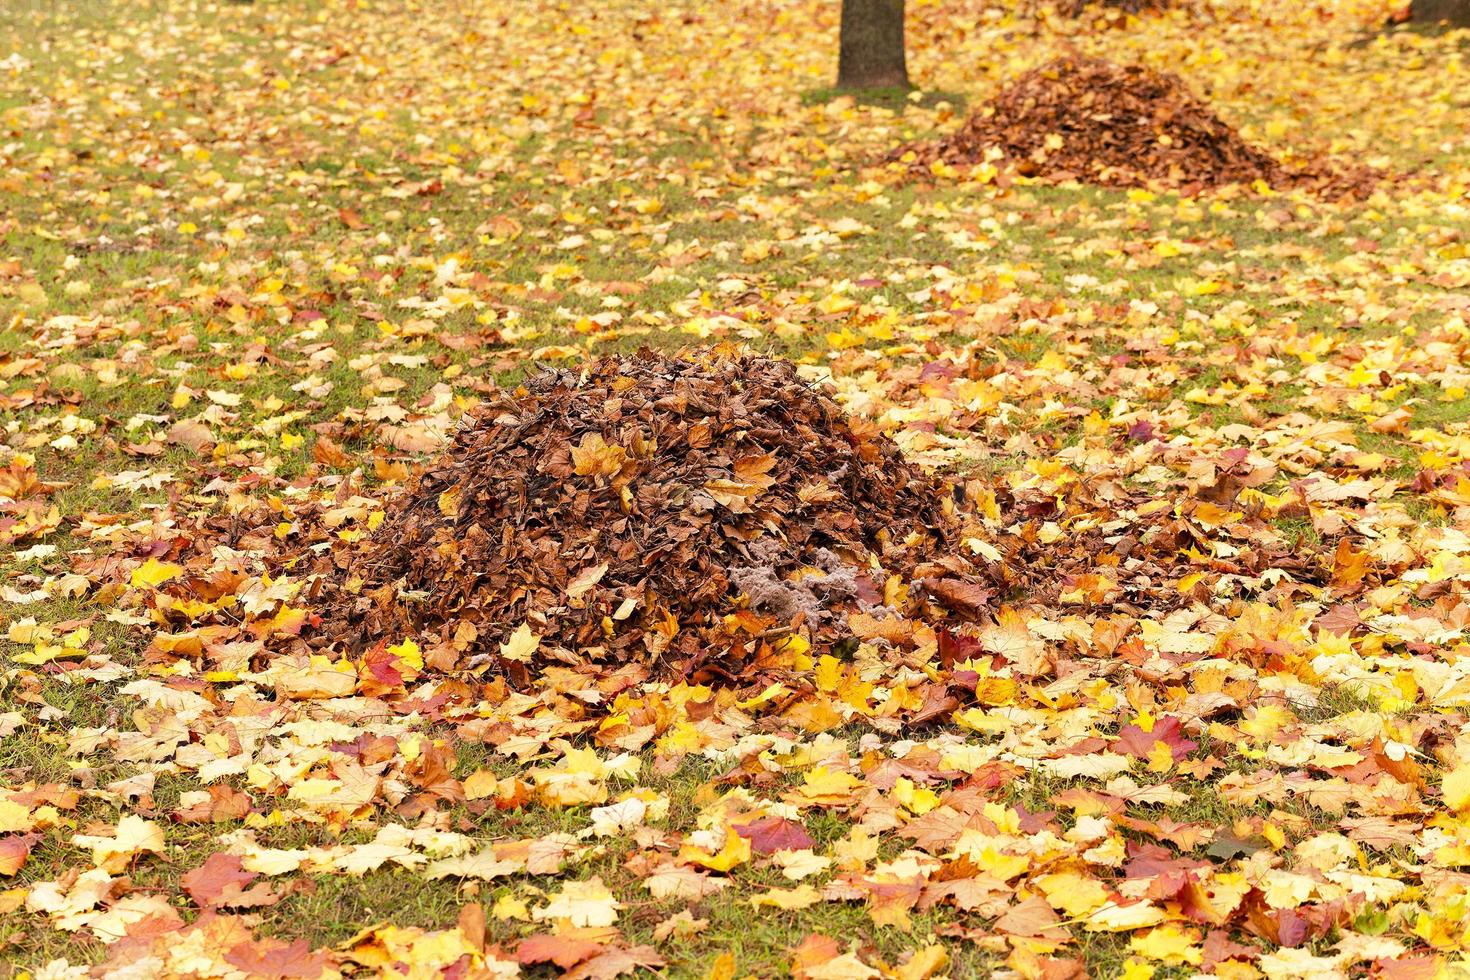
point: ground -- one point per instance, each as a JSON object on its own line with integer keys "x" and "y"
{"x": 259, "y": 258}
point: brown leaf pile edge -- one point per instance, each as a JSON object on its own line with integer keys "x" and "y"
{"x": 1085, "y": 119}
{"x": 1076, "y": 8}
{"x": 656, "y": 510}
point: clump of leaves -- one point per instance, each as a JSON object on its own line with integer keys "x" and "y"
{"x": 1081, "y": 118}
{"x": 618, "y": 513}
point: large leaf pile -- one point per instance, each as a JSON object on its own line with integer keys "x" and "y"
{"x": 621, "y": 511}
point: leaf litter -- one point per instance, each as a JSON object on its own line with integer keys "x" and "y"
{"x": 1182, "y": 691}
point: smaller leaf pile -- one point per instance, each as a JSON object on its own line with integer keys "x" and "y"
{"x": 618, "y": 514}
{"x": 1080, "y": 118}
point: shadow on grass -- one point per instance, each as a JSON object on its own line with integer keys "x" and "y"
{"x": 893, "y": 98}
{"x": 1367, "y": 37}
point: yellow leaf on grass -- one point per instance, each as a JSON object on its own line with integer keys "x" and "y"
{"x": 479, "y": 785}
{"x": 736, "y": 850}
{"x": 1073, "y": 894}
{"x": 789, "y": 899}
{"x": 509, "y": 907}
{"x": 134, "y": 836}
{"x": 824, "y": 785}
{"x": 1456, "y": 788}
{"x": 153, "y": 573}
{"x": 583, "y": 903}
{"x": 15, "y": 817}
{"x": 1122, "y": 918}
{"x": 1170, "y": 945}
{"x": 927, "y": 962}
{"x": 723, "y": 967}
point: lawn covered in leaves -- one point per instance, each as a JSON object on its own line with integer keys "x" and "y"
{"x": 258, "y": 260}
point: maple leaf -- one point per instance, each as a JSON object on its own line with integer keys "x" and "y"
{"x": 153, "y": 573}
{"x": 485, "y": 866}
{"x": 924, "y": 963}
{"x": 1012, "y": 639}
{"x": 677, "y": 881}
{"x": 770, "y": 834}
{"x": 521, "y": 645}
{"x": 812, "y": 951}
{"x": 1455, "y": 788}
{"x": 788, "y": 899}
{"x": 582, "y": 903}
{"x": 719, "y": 855}
{"x": 594, "y": 456}
{"x": 134, "y": 836}
{"x": 565, "y": 950}
{"x": 681, "y": 924}
{"x": 278, "y": 960}
{"x": 1168, "y": 731}
{"x": 966, "y": 597}
{"x": 221, "y": 882}
{"x": 1033, "y": 917}
{"x": 1169, "y": 945}
{"x": 616, "y": 962}
{"x": 585, "y": 580}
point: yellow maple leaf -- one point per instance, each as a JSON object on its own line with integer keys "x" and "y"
{"x": 1072, "y": 893}
{"x": 153, "y": 573}
{"x": 521, "y": 645}
{"x": 1170, "y": 945}
{"x": 408, "y": 653}
{"x": 1456, "y": 788}
{"x": 133, "y": 836}
{"x": 925, "y": 963}
{"x": 824, "y": 785}
{"x": 583, "y": 903}
{"x": 593, "y": 456}
{"x": 918, "y": 800}
{"x": 735, "y": 851}
{"x": 789, "y": 899}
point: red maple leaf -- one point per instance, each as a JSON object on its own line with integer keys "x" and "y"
{"x": 770, "y": 834}
{"x": 221, "y": 881}
{"x": 277, "y": 960}
{"x": 563, "y": 950}
{"x": 1134, "y": 741}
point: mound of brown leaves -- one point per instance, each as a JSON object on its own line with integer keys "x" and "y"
{"x": 648, "y": 510}
{"x": 1079, "y": 118}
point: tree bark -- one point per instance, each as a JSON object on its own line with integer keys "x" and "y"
{"x": 1456, "y": 12}
{"x": 871, "y": 52}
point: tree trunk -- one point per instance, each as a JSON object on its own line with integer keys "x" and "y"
{"x": 871, "y": 54}
{"x": 1457, "y": 12}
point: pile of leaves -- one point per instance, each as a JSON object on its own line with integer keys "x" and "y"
{"x": 1081, "y": 118}
{"x": 629, "y": 511}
